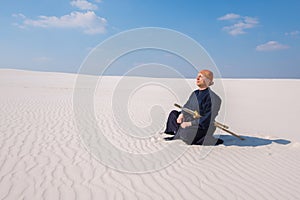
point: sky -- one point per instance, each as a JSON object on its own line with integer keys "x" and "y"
{"x": 245, "y": 39}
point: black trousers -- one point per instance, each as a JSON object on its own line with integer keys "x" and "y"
{"x": 172, "y": 125}
{"x": 190, "y": 135}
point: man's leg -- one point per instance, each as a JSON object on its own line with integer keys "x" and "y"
{"x": 200, "y": 137}
{"x": 172, "y": 125}
{"x": 204, "y": 137}
{"x": 187, "y": 134}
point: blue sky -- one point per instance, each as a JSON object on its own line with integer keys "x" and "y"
{"x": 246, "y": 39}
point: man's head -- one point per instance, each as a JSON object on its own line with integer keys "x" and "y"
{"x": 205, "y": 79}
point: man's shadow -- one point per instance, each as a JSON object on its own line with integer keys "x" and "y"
{"x": 234, "y": 141}
{"x": 250, "y": 141}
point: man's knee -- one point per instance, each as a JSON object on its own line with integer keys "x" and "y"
{"x": 174, "y": 113}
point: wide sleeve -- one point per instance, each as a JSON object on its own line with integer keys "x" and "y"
{"x": 192, "y": 104}
{"x": 189, "y": 103}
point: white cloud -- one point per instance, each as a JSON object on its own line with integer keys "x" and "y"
{"x": 87, "y": 21}
{"x": 20, "y": 15}
{"x": 241, "y": 23}
{"x": 271, "y": 46}
{"x": 229, "y": 16}
{"x": 292, "y": 33}
{"x": 84, "y": 5}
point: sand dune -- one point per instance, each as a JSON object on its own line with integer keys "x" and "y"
{"x": 43, "y": 155}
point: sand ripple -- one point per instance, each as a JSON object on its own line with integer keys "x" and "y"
{"x": 42, "y": 157}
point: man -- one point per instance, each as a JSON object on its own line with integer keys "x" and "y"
{"x": 194, "y": 131}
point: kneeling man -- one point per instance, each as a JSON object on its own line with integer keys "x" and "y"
{"x": 183, "y": 126}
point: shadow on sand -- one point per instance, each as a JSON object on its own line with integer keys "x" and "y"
{"x": 250, "y": 141}
{"x": 230, "y": 140}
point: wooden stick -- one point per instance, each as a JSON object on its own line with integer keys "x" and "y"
{"x": 222, "y": 125}
{"x": 228, "y": 131}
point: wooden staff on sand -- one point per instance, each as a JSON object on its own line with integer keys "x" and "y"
{"x": 196, "y": 115}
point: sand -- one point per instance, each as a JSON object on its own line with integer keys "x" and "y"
{"x": 44, "y": 154}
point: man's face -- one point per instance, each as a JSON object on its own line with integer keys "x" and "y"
{"x": 202, "y": 81}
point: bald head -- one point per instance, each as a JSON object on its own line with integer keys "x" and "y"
{"x": 208, "y": 74}
{"x": 204, "y": 79}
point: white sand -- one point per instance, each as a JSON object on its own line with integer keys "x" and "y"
{"x": 42, "y": 154}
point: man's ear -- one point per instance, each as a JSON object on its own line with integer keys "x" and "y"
{"x": 211, "y": 83}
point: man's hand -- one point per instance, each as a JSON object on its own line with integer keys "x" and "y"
{"x": 185, "y": 124}
{"x": 180, "y": 119}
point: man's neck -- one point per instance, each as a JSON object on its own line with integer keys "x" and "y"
{"x": 202, "y": 88}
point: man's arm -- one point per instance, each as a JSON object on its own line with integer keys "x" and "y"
{"x": 188, "y": 104}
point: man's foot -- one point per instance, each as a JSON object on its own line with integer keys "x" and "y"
{"x": 219, "y": 141}
{"x": 170, "y": 133}
{"x": 168, "y": 138}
